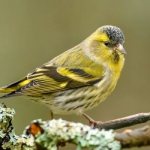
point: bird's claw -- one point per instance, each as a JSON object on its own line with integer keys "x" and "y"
{"x": 93, "y": 123}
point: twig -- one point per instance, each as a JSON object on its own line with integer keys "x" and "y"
{"x": 124, "y": 122}
{"x": 134, "y": 138}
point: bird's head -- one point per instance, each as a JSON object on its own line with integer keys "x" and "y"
{"x": 112, "y": 37}
{"x": 107, "y": 43}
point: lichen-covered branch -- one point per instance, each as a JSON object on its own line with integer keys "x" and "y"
{"x": 52, "y": 134}
{"x": 8, "y": 139}
{"x": 49, "y": 135}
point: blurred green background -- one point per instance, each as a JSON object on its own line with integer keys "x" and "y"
{"x": 34, "y": 31}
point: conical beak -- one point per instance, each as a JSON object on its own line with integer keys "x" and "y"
{"x": 121, "y": 49}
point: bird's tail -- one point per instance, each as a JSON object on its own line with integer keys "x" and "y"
{"x": 11, "y": 89}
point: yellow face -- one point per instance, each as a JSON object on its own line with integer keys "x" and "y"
{"x": 105, "y": 48}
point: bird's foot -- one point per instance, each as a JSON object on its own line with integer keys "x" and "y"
{"x": 51, "y": 115}
{"x": 93, "y": 123}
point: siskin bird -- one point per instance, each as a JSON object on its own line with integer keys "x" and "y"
{"x": 78, "y": 79}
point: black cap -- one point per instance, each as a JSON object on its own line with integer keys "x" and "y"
{"x": 114, "y": 33}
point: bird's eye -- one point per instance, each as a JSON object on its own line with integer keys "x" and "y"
{"x": 107, "y": 43}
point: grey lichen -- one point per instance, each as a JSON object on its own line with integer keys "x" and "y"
{"x": 57, "y": 132}
{"x": 8, "y": 139}
{"x": 6, "y": 115}
{"x": 49, "y": 135}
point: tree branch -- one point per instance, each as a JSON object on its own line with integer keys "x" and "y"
{"x": 49, "y": 135}
{"x": 134, "y": 138}
{"x": 124, "y": 122}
